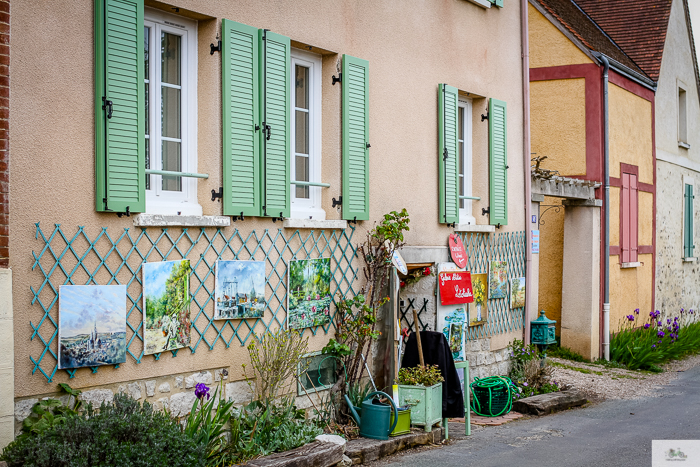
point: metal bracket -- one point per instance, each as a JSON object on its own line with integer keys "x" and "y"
{"x": 485, "y": 211}
{"x": 235, "y": 218}
{"x": 275, "y": 219}
{"x": 215, "y": 48}
{"x": 219, "y": 194}
{"x": 338, "y": 79}
{"x": 128, "y": 213}
{"x": 338, "y": 202}
{"x": 353, "y": 221}
{"x": 484, "y": 117}
{"x": 451, "y": 225}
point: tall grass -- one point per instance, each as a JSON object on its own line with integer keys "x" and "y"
{"x": 646, "y": 346}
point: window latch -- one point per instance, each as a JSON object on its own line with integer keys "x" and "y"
{"x": 107, "y": 105}
{"x": 267, "y": 129}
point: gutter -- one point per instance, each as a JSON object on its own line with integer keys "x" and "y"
{"x": 606, "y": 164}
{"x": 526, "y": 163}
{"x": 626, "y": 71}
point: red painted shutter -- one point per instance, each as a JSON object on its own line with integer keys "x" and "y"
{"x": 634, "y": 218}
{"x": 625, "y": 218}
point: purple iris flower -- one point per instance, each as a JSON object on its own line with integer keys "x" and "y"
{"x": 201, "y": 390}
{"x": 646, "y": 326}
{"x": 661, "y": 334}
{"x": 636, "y": 311}
{"x": 653, "y": 346}
{"x": 630, "y": 317}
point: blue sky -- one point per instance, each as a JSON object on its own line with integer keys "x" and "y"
{"x": 243, "y": 272}
{"x": 155, "y": 275}
{"x": 80, "y": 306}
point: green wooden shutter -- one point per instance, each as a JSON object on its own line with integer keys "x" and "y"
{"x": 240, "y": 100}
{"x": 119, "y": 106}
{"x": 688, "y": 237}
{"x": 498, "y": 3}
{"x": 275, "y": 69}
{"x": 498, "y": 162}
{"x": 355, "y": 114}
{"x": 448, "y": 209}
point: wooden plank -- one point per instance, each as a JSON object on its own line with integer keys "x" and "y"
{"x": 314, "y": 454}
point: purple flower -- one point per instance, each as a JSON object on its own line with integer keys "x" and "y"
{"x": 668, "y": 320}
{"x": 661, "y": 334}
{"x": 630, "y": 317}
{"x": 636, "y": 311}
{"x": 653, "y": 346}
{"x": 525, "y": 383}
{"x": 646, "y": 326}
{"x": 201, "y": 390}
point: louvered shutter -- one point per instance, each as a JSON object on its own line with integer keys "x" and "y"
{"x": 498, "y": 162}
{"x": 625, "y": 209}
{"x": 634, "y": 219}
{"x": 240, "y": 97}
{"x": 119, "y": 106}
{"x": 355, "y": 114}
{"x": 276, "y": 123}
{"x": 448, "y": 209}
{"x": 688, "y": 237}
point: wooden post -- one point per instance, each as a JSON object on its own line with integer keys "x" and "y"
{"x": 416, "y": 324}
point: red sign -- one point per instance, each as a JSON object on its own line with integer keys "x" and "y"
{"x": 459, "y": 255}
{"x": 455, "y": 287}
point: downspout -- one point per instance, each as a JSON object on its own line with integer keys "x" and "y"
{"x": 526, "y": 161}
{"x": 606, "y": 165}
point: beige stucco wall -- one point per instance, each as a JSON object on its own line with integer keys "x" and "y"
{"x": 677, "y": 282}
{"x": 548, "y": 46}
{"x": 558, "y": 124}
{"x": 410, "y": 50}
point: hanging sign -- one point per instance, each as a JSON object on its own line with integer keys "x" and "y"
{"x": 398, "y": 262}
{"x": 455, "y": 287}
{"x": 457, "y": 252}
{"x": 535, "y": 241}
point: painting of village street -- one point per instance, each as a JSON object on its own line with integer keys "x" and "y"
{"x": 309, "y": 293}
{"x": 166, "y": 297}
{"x": 91, "y": 325}
{"x": 517, "y": 292}
{"x": 239, "y": 289}
{"x": 498, "y": 279}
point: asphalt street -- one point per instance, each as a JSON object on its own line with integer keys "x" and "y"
{"x": 613, "y": 433}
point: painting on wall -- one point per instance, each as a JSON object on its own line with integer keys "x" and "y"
{"x": 454, "y": 332}
{"x": 478, "y": 308}
{"x": 239, "y": 289}
{"x": 309, "y": 293}
{"x": 517, "y": 292}
{"x": 91, "y": 325}
{"x": 498, "y": 279}
{"x": 166, "y": 301}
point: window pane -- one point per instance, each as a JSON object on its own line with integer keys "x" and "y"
{"x": 170, "y": 58}
{"x": 302, "y": 175}
{"x": 148, "y": 163}
{"x": 148, "y": 126}
{"x": 146, "y": 43}
{"x": 170, "y": 112}
{"x": 172, "y": 161}
{"x": 461, "y": 173}
{"x": 302, "y": 87}
{"x": 461, "y": 123}
{"x": 146, "y": 58}
{"x": 302, "y": 132}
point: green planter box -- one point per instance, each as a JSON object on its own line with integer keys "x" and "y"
{"x": 425, "y": 402}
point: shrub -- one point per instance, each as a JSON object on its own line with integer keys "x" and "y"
{"x": 125, "y": 434}
{"x": 565, "y": 353}
{"x": 428, "y": 375}
{"x": 529, "y": 374}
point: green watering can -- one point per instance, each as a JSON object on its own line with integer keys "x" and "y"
{"x": 376, "y": 417}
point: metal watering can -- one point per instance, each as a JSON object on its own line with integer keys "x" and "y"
{"x": 376, "y": 416}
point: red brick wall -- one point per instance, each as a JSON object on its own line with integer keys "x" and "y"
{"x": 4, "y": 130}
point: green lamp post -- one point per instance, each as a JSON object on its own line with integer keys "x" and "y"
{"x": 542, "y": 333}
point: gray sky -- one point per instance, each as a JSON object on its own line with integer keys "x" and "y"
{"x": 695, "y": 21}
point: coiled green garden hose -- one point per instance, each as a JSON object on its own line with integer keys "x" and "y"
{"x": 492, "y": 383}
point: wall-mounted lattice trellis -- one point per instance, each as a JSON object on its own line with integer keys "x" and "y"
{"x": 406, "y": 313}
{"x": 481, "y": 249}
{"x": 105, "y": 259}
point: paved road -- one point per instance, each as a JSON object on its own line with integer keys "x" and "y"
{"x": 612, "y": 433}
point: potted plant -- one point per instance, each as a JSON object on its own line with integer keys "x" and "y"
{"x": 421, "y": 388}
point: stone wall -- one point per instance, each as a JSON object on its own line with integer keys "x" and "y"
{"x": 485, "y": 362}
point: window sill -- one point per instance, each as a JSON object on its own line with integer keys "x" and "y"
{"x": 689, "y": 260}
{"x": 314, "y": 224}
{"x": 683, "y": 145}
{"x": 481, "y": 3}
{"x": 636, "y": 264}
{"x": 475, "y": 228}
{"x": 161, "y": 220}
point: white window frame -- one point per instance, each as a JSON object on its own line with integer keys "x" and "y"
{"x": 465, "y": 213}
{"x": 303, "y": 208}
{"x": 682, "y": 114}
{"x": 687, "y": 181}
{"x": 159, "y": 201}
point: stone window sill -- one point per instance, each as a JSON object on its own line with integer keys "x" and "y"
{"x": 475, "y": 228}
{"x": 314, "y": 224}
{"x": 689, "y": 260}
{"x": 636, "y": 264}
{"x": 683, "y": 144}
{"x": 160, "y": 220}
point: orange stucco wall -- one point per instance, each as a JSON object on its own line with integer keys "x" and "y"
{"x": 548, "y": 46}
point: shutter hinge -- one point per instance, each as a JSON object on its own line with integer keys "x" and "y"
{"x": 281, "y": 218}
{"x": 338, "y": 79}
{"x": 353, "y": 221}
{"x": 485, "y": 211}
{"x": 235, "y": 218}
{"x": 215, "y": 48}
{"x": 484, "y": 117}
{"x": 128, "y": 213}
{"x": 219, "y": 195}
{"x": 451, "y": 225}
{"x": 338, "y": 202}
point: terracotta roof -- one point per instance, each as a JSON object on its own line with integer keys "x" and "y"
{"x": 638, "y": 27}
{"x": 590, "y": 34}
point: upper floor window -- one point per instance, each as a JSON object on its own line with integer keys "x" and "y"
{"x": 682, "y": 118}
{"x": 170, "y": 81}
{"x": 306, "y": 135}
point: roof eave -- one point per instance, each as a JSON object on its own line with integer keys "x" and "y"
{"x": 627, "y": 72}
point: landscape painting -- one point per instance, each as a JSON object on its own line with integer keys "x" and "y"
{"x": 309, "y": 293}
{"x": 517, "y": 292}
{"x": 498, "y": 279}
{"x": 478, "y": 308}
{"x": 454, "y": 332}
{"x": 166, "y": 304}
{"x": 240, "y": 289}
{"x": 91, "y": 325}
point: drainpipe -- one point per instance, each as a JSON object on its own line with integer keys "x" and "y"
{"x": 606, "y": 165}
{"x": 526, "y": 161}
